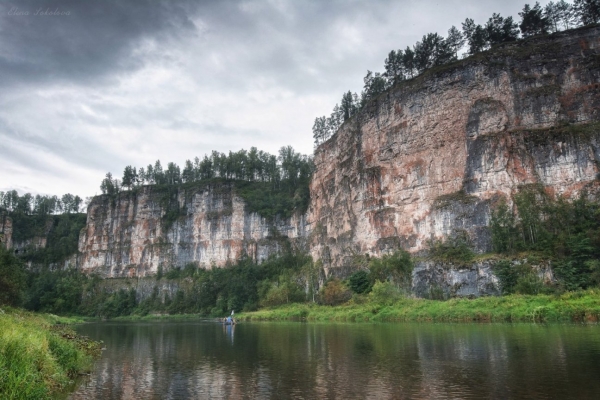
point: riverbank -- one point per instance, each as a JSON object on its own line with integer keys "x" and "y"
{"x": 40, "y": 356}
{"x": 581, "y": 306}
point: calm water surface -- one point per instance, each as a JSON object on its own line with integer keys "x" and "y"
{"x": 203, "y": 359}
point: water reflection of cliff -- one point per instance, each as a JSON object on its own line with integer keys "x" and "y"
{"x": 202, "y": 360}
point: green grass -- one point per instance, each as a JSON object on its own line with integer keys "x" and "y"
{"x": 581, "y": 306}
{"x": 40, "y": 356}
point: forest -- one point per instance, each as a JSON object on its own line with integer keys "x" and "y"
{"x": 271, "y": 185}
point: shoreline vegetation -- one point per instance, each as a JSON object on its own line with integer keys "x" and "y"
{"x": 40, "y": 356}
{"x": 580, "y": 306}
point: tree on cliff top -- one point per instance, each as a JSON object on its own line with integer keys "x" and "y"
{"x": 588, "y": 11}
{"x": 560, "y": 15}
{"x": 475, "y": 35}
{"x": 533, "y": 21}
{"x": 456, "y": 40}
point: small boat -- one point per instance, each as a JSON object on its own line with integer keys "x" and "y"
{"x": 232, "y": 322}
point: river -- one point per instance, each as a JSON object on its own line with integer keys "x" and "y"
{"x": 294, "y": 360}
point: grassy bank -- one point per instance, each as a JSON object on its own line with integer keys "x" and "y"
{"x": 581, "y": 306}
{"x": 39, "y": 355}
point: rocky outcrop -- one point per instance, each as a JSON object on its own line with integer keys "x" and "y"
{"x": 433, "y": 155}
{"x": 138, "y": 232}
{"x": 5, "y": 231}
{"x": 431, "y": 279}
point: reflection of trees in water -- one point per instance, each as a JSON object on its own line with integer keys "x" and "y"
{"x": 200, "y": 360}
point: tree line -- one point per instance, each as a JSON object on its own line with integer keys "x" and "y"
{"x": 29, "y": 204}
{"x": 287, "y": 169}
{"x": 434, "y": 50}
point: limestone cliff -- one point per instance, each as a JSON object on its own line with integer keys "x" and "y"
{"x": 430, "y": 157}
{"x": 135, "y": 233}
{"x": 434, "y": 154}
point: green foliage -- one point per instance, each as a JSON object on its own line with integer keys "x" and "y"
{"x": 567, "y": 232}
{"x": 359, "y": 282}
{"x": 215, "y": 292}
{"x": 455, "y": 249}
{"x": 334, "y": 292}
{"x": 272, "y": 185}
{"x": 121, "y": 302}
{"x": 38, "y": 359}
{"x": 503, "y": 228}
{"x": 396, "y": 267}
{"x": 385, "y": 293}
{"x": 58, "y": 292}
{"x": 518, "y": 278}
{"x": 587, "y": 11}
{"x": 577, "y": 306}
{"x": 533, "y": 20}
{"x": 13, "y": 279}
{"x": 270, "y": 201}
{"x": 61, "y": 231}
{"x": 507, "y": 274}
{"x": 284, "y": 291}
{"x": 38, "y": 204}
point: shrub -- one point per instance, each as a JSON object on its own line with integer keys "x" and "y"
{"x": 529, "y": 284}
{"x": 334, "y": 292}
{"x": 282, "y": 293}
{"x": 396, "y": 267}
{"x": 385, "y": 293}
{"x": 456, "y": 249}
{"x": 359, "y": 282}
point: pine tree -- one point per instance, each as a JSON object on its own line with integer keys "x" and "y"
{"x": 588, "y": 11}
{"x": 475, "y": 35}
{"x": 500, "y": 30}
{"x": 533, "y": 21}
{"x": 455, "y": 40}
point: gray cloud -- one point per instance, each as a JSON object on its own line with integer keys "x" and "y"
{"x": 88, "y": 40}
{"x": 127, "y": 82}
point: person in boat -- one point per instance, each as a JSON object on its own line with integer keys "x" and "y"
{"x": 228, "y": 320}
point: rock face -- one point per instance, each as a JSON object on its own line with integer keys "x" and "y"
{"x": 137, "y": 232}
{"x": 5, "y": 231}
{"x": 443, "y": 280}
{"x": 427, "y": 159}
{"x": 433, "y": 155}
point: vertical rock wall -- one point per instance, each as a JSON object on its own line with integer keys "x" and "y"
{"x": 434, "y": 154}
{"x": 137, "y": 232}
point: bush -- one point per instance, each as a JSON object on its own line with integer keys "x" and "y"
{"x": 396, "y": 267}
{"x": 529, "y": 284}
{"x": 385, "y": 293}
{"x": 282, "y": 293}
{"x": 334, "y": 293}
{"x": 455, "y": 249}
{"x": 359, "y": 282}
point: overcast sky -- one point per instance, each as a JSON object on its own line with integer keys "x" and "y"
{"x": 88, "y": 87}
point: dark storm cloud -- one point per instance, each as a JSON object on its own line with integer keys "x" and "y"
{"x": 104, "y": 84}
{"x": 82, "y": 41}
